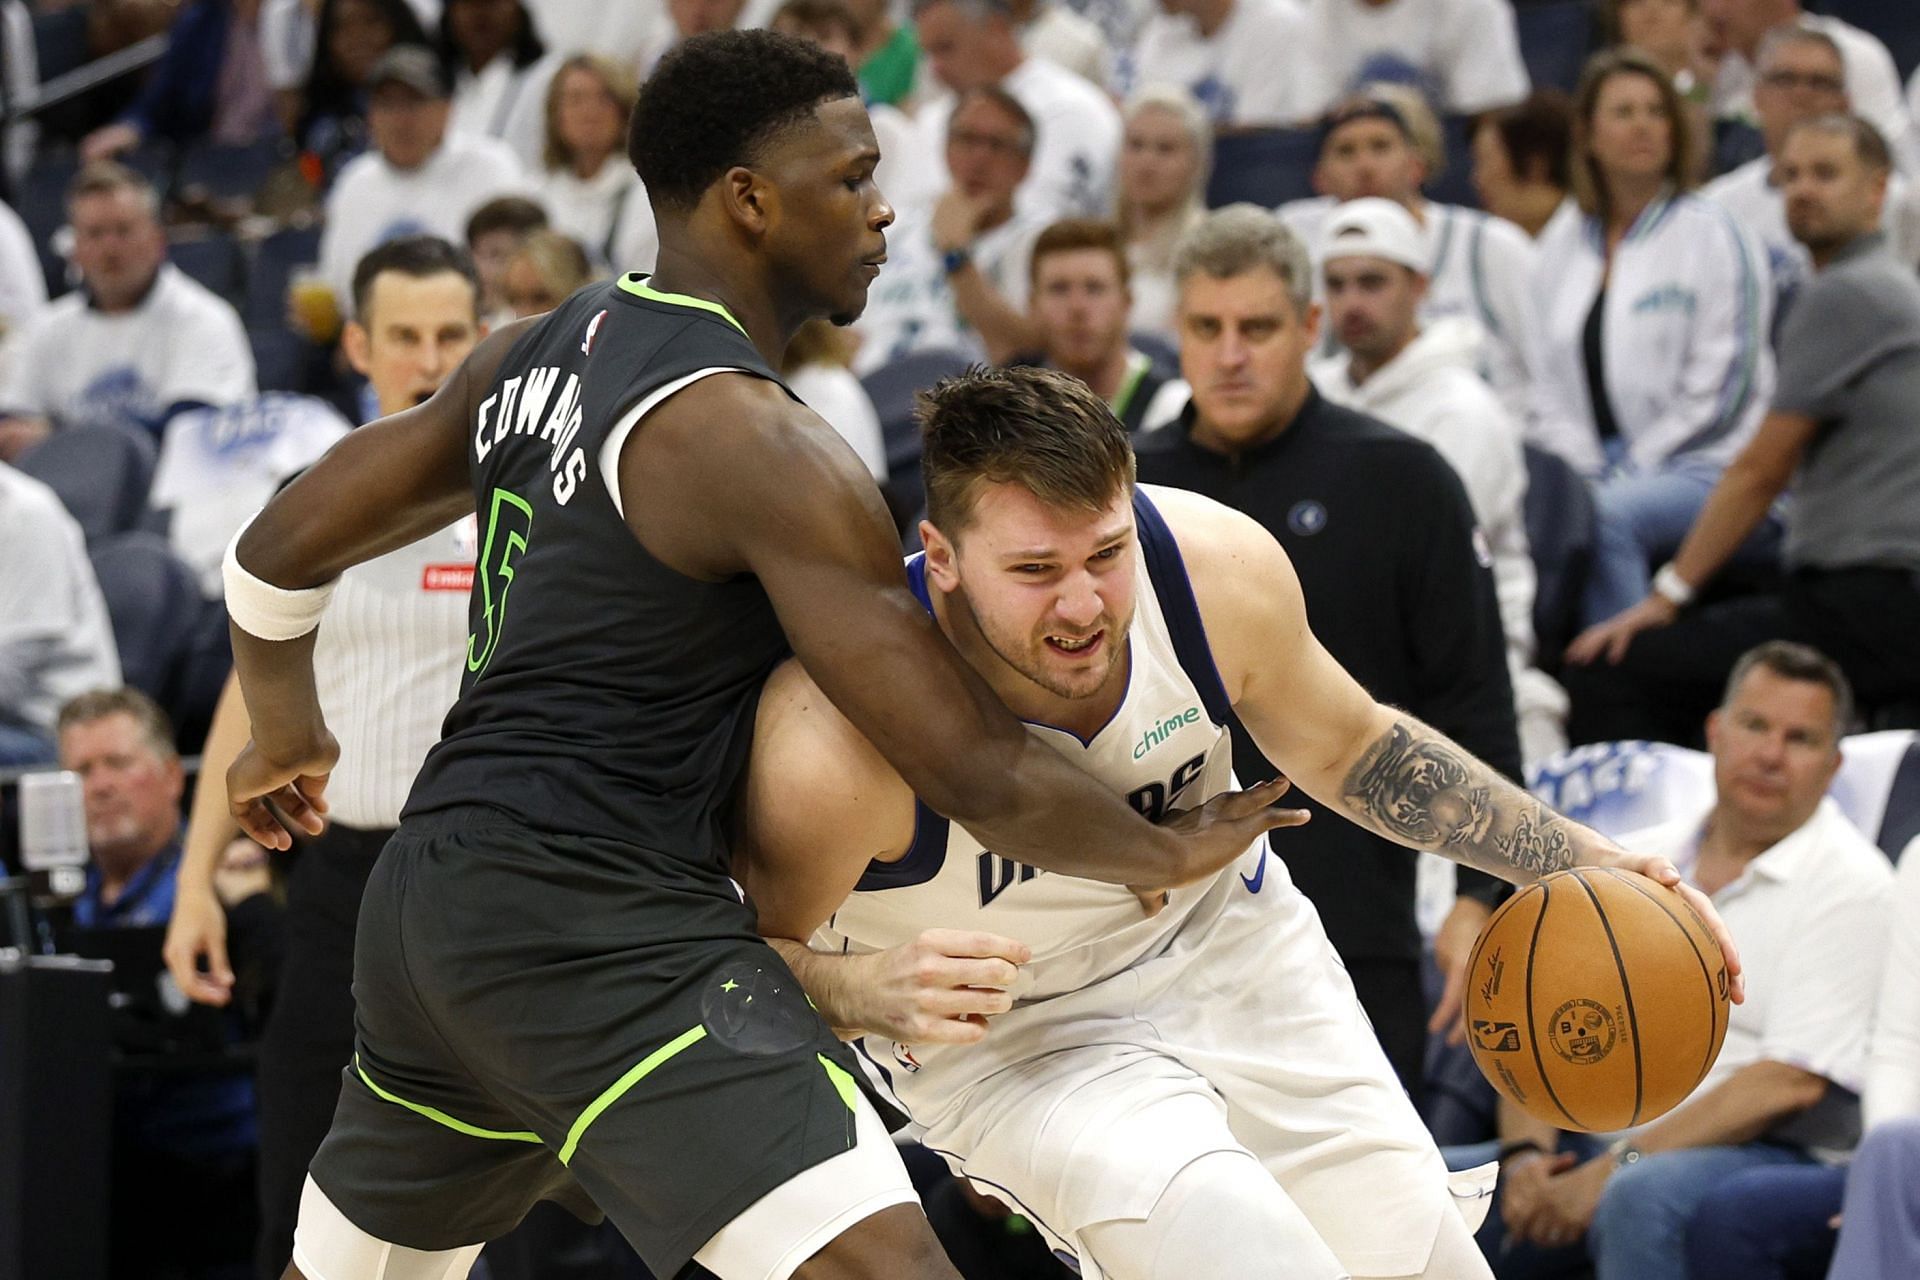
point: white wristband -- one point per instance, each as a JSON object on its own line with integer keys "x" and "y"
{"x": 1671, "y": 587}
{"x": 266, "y": 611}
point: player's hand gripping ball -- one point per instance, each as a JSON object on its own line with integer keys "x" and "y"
{"x": 1596, "y": 999}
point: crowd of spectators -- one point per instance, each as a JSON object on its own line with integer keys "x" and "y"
{"x": 1570, "y": 347}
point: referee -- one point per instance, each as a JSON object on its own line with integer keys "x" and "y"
{"x": 387, "y": 664}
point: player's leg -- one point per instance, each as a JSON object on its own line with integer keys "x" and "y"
{"x": 328, "y": 1246}
{"x": 1222, "y": 1216}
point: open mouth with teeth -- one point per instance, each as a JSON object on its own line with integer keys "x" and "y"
{"x": 1077, "y": 648}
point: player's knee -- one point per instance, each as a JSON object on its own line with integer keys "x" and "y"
{"x": 1221, "y": 1216}
{"x": 894, "y": 1244}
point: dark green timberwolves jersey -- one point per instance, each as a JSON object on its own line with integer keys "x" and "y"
{"x": 605, "y": 694}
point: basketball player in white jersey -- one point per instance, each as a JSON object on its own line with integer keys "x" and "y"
{"x": 1189, "y": 1093}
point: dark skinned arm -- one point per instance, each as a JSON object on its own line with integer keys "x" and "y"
{"x": 807, "y": 521}
{"x": 390, "y": 483}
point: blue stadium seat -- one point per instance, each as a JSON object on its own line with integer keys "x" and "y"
{"x": 228, "y": 172}
{"x": 892, "y": 388}
{"x": 279, "y": 359}
{"x": 60, "y": 40}
{"x": 173, "y": 642}
{"x": 1267, "y": 167}
{"x": 41, "y": 202}
{"x": 274, "y": 261}
{"x": 102, "y": 475}
{"x": 1454, "y": 184}
{"x": 1560, "y": 520}
{"x": 214, "y": 260}
{"x": 1555, "y": 38}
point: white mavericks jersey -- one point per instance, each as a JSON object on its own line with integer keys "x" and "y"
{"x": 1166, "y": 748}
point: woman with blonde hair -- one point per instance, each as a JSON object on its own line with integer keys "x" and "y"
{"x": 1650, "y": 362}
{"x": 1165, "y": 157}
{"x": 547, "y": 268}
{"x": 587, "y": 186}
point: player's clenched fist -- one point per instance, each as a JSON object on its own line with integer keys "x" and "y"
{"x": 940, "y": 988}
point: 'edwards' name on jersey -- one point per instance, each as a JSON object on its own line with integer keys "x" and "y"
{"x": 520, "y": 408}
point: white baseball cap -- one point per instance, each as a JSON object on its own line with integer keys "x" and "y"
{"x": 1374, "y": 228}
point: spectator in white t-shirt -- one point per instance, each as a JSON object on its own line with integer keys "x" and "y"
{"x": 139, "y": 342}
{"x": 56, "y": 640}
{"x": 1386, "y": 143}
{"x": 817, "y": 370}
{"x": 588, "y": 187}
{"x": 1239, "y": 58}
{"x": 956, "y": 277}
{"x": 1164, "y": 160}
{"x": 1464, "y": 55}
{"x": 1802, "y": 74}
{"x": 23, "y": 286}
{"x": 419, "y": 178}
{"x": 972, "y": 44}
{"x": 501, "y": 69}
{"x": 688, "y": 18}
{"x": 1735, "y": 29}
{"x": 1051, "y": 30}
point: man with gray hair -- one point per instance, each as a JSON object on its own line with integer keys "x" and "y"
{"x": 1383, "y": 537}
{"x": 1802, "y": 74}
{"x": 1840, "y": 432}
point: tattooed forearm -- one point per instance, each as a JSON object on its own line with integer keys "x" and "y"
{"x": 1416, "y": 787}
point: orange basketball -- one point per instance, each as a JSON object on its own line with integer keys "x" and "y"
{"x": 1596, "y": 999}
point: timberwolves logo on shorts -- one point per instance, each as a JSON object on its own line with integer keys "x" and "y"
{"x": 1307, "y": 518}
{"x": 1582, "y": 1032}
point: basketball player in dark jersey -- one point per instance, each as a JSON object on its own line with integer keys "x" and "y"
{"x": 560, "y": 992}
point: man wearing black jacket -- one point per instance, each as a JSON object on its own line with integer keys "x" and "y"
{"x": 1395, "y": 573}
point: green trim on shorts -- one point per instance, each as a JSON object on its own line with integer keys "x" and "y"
{"x": 635, "y": 283}
{"x": 438, "y": 1116}
{"x": 842, "y": 1082}
{"x": 635, "y": 1074}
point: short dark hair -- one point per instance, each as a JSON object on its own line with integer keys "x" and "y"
{"x": 717, "y": 99}
{"x": 1039, "y": 428}
{"x": 1070, "y": 235}
{"x": 1803, "y": 662}
{"x": 1869, "y": 144}
{"x": 817, "y": 15}
{"x": 98, "y": 704}
{"x": 416, "y": 256}
{"x": 506, "y": 213}
{"x": 1537, "y": 133}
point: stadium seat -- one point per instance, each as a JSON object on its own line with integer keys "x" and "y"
{"x": 1454, "y": 184}
{"x": 228, "y": 172}
{"x": 214, "y": 260}
{"x": 1560, "y": 528}
{"x": 1555, "y": 38}
{"x": 173, "y": 642}
{"x": 102, "y": 475}
{"x": 274, "y": 262}
{"x": 892, "y": 388}
{"x": 41, "y": 202}
{"x": 1267, "y": 167}
{"x": 279, "y": 359}
{"x": 60, "y": 40}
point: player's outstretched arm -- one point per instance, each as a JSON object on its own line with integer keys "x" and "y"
{"x": 1381, "y": 767}
{"x": 381, "y": 487}
{"x": 762, "y": 486}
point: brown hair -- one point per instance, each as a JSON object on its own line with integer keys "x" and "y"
{"x": 1072, "y": 234}
{"x": 1801, "y": 662}
{"x": 1041, "y": 429}
{"x": 1869, "y": 144}
{"x": 619, "y": 84}
{"x": 1537, "y": 133}
{"x": 98, "y": 704}
{"x": 1589, "y": 188}
{"x": 804, "y": 17}
{"x": 559, "y": 259}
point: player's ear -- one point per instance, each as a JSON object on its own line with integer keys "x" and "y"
{"x": 749, "y": 199}
{"x": 943, "y": 569}
{"x": 356, "y": 342}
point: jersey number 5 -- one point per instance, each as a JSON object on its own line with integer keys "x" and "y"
{"x": 509, "y": 523}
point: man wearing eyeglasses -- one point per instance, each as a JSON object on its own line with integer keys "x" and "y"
{"x": 1802, "y": 74}
{"x": 956, "y": 278}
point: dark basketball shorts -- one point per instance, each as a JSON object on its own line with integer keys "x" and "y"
{"x": 575, "y": 1019}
